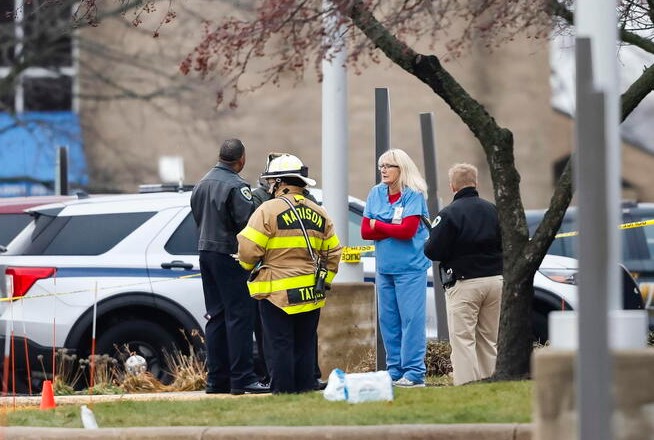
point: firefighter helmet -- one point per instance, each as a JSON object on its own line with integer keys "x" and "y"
{"x": 287, "y": 165}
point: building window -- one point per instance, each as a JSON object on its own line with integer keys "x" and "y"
{"x": 37, "y": 34}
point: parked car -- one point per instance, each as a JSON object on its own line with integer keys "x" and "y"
{"x": 135, "y": 256}
{"x": 637, "y": 244}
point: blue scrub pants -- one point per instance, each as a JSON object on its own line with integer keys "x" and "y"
{"x": 401, "y": 309}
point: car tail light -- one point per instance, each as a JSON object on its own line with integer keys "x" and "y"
{"x": 21, "y": 279}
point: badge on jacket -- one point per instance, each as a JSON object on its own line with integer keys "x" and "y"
{"x": 246, "y": 193}
{"x": 397, "y": 215}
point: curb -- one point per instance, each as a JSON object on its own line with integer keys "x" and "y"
{"x": 515, "y": 431}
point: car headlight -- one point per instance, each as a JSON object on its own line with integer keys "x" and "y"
{"x": 565, "y": 276}
{"x": 646, "y": 291}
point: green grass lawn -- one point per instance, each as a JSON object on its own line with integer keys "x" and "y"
{"x": 500, "y": 402}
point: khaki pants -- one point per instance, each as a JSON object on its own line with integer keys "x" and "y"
{"x": 473, "y": 316}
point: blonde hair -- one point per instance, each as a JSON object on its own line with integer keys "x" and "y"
{"x": 462, "y": 175}
{"x": 410, "y": 176}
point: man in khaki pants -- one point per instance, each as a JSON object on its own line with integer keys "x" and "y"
{"x": 465, "y": 238}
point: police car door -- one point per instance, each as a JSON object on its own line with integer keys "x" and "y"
{"x": 174, "y": 267}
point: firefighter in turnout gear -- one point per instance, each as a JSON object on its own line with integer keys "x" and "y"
{"x": 287, "y": 242}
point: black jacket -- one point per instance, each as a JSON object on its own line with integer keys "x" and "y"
{"x": 222, "y": 204}
{"x": 465, "y": 237}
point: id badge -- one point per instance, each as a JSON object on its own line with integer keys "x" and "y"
{"x": 397, "y": 215}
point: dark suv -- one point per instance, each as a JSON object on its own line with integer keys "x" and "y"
{"x": 637, "y": 243}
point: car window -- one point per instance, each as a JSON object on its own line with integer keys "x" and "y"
{"x": 11, "y": 225}
{"x": 631, "y": 239}
{"x": 648, "y": 231}
{"x": 641, "y": 253}
{"x": 649, "y": 235}
{"x": 564, "y": 246}
{"x": 184, "y": 241}
{"x": 80, "y": 235}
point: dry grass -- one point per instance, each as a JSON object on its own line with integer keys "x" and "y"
{"x": 437, "y": 360}
{"x": 71, "y": 371}
{"x": 142, "y": 383}
{"x": 110, "y": 377}
{"x": 367, "y": 363}
{"x": 189, "y": 370}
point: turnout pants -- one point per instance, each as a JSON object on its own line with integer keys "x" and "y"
{"x": 290, "y": 344}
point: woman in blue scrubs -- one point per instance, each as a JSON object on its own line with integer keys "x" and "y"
{"x": 392, "y": 218}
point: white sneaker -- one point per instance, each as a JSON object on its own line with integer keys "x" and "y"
{"x": 403, "y": 382}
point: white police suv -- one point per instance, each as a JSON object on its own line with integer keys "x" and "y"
{"x": 130, "y": 261}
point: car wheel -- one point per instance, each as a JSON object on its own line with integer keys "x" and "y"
{"x": 144, "y": 338}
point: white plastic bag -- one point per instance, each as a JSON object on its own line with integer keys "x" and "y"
{"x": 368, "y": 387}
{"x": 359, "y": 387}
{"x": 88, "y": 418}
{"x": 335, "y": 389}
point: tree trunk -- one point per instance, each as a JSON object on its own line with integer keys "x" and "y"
{"x": 515, "y": 336}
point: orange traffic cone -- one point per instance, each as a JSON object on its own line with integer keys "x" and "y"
{"x": 47, "y": 396}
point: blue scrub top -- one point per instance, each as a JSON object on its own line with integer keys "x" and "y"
{"x": 394, "y": 256}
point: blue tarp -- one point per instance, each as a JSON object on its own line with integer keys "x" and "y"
{"x": 28, "y": 152}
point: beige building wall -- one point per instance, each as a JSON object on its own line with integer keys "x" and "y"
{"x": 123, "y": 139}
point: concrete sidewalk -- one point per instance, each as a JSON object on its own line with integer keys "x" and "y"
{"x": 508, "y": 431}
{"x": 383, "y": 432}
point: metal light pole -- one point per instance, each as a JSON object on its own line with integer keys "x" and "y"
{"x": 431, "y": 176}
{"x": 382, "y": 144}
{"x": 335, "y": 164}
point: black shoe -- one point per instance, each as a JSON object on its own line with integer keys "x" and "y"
{"x": 216, "y": 390}
{"x": 320, "y": 385}
{"x": 253, "y": 388}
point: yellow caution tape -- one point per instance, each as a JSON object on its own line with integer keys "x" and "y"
{"x": 630, "y": 225}
{"x": 352, "y": 254}
{"x": 639, "y": 224}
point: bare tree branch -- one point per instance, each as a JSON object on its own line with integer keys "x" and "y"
{"x": 637, "y": 91}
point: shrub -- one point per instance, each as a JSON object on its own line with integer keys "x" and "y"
{"x": 437, "y": 359}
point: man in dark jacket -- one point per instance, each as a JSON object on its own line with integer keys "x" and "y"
{"x": 222, "y": 204}
{"x": 465, "y": 238}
